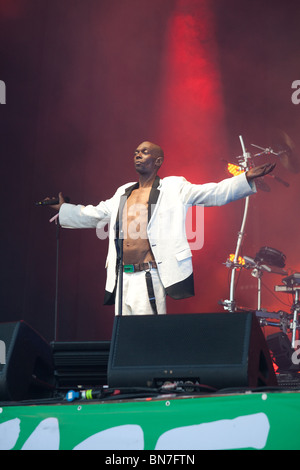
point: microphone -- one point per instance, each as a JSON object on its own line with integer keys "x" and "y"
{"x": 51, "y": 202}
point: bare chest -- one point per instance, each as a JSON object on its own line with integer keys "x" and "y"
{"x": 139, "y": 197}
{"x": 135, "y": 215}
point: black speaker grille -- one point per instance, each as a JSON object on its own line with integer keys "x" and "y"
{"x": 81, "y": 363}
{"x": 182, "y": 340}
{"x": 218, "y": 350}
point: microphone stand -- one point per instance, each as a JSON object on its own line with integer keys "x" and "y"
{"x": 56, "y": 281}
{"x": 56, "y": 220}
{"x": 120, "y": 274}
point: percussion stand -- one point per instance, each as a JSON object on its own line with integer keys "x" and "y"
{"x": 258, "y": 273}
{"x": 231, "y": 304}
{"x": 296, "y": 311}
{"x": 244, "y": 163}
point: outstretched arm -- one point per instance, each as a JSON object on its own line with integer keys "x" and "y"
{"x": 259, "y": 171}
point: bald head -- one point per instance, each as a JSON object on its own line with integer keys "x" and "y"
{"x": 148, "y": 157}
{"x": 155, "y": 149}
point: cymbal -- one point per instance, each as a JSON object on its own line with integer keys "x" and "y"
{"x": 286, "y": 147}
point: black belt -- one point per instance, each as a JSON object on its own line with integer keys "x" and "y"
{"x": 133, "y": 268}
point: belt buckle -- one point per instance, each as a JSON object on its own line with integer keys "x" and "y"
{"x": 128, "y": 268}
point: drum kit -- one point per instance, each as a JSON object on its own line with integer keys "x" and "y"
{"x": 267, "y": 259}
{"x": 270, "y": 260}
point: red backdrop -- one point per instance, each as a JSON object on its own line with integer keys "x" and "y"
{"x": 86, "y": 82}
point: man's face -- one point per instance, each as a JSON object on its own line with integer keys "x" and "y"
{"x": 146, "y": 160}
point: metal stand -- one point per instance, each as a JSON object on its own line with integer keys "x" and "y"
{"x": 282, "y": 320}
{"x": 296, "y": 311}
{"x": 120, "y": 274}
{"x": 56, "y": 282}
{"x": 56, "y": 220}
{"x": 231, "y": 304}
{"x": 244, "y": 163}
{"x": 257, "y": 272}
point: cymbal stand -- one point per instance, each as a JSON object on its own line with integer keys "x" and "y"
{"x": 266, "y": 151}
{"x": 257, "y": 272}
{"x": 231, "y": 304}
{"x": 245, "y": 162}
{"x": 296, "y": 311}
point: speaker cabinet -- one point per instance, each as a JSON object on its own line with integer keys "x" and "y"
{"x": 80, "y": 363}
{"x": 282, "y": 351}
{"x": 219, "y": 350}
{"x": 26, "y": 366}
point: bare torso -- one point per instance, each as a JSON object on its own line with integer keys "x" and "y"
{"x": 136, "y": 247}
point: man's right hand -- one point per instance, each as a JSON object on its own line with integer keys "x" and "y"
{"x": 61, "y": 201}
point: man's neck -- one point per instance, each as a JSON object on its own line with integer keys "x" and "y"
{"x": 146, "y": 182}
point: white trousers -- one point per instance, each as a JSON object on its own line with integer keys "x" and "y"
{"x": 135, "y": 294}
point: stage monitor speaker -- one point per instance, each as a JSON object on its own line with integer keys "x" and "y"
{"x": 26, "y": 365}
{"x": 282, "y": 351}
{"x": 80, "y": 363}
{"x": 219, "y": 350}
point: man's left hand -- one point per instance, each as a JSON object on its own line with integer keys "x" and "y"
{"x": 259, "y": 171}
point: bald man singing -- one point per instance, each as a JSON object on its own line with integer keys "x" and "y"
{"x": 147, "y": 236}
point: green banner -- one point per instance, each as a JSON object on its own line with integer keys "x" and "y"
{"x": 246, "y": 421}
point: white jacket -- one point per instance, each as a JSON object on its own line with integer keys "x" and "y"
{"x": 169, "y": 201}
